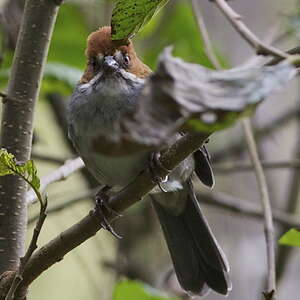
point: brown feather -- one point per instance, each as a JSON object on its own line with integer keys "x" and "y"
{"x": 99, "y": 42}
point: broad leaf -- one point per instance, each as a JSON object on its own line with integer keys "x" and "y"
{"x": 134, "y": 290}
{"x": 291, "y": 238}
{"x": 130, "y": 15}
{"x": 27, "y": 170}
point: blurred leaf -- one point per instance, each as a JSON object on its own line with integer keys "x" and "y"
{"x": 64, "y": 73}
{"x": 291, "y": 238}
{"x": 130, "y": 15}
{"x": 175, "y": 26}
{"x": 57, "y": 77}
{"x": 69, "y": 38}
{"x": 27, "y": 170}
{"x": 134, "y": 290}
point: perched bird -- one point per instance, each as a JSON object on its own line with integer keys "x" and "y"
{"x": 109, "y": 88}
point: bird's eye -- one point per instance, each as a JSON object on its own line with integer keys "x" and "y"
{"x": 126, "y": 59}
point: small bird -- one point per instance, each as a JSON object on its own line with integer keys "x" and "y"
{"x": 108, "y": 89}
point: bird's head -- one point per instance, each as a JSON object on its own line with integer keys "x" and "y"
{"x": 105, "y": 56}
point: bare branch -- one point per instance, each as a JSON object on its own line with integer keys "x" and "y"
{"x": 48, "y": 158}
{"x": 239, "y": 146}
{"x": 236, "y": 21}
{"x": 61, "y": 173}
{"x": 245, "y": 207}
{"x": 32, "y": 247}
{"x": 215, "y": 199}
{"x": 68, "y": 203}
{"x": 269, "y": 226}
{"x": 244, "y": 167}
{"x": 204, "y": 34}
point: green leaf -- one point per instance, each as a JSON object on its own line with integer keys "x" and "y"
{"x": 27, "y": 170}
{"x": 69, "y": 37}
{"x": 130, "y": 15}
{"x": 134, "y": 290}
{"x": 174, "y": 26}
{"x": 291, "y": 238}
{"x": 63, "y": 73}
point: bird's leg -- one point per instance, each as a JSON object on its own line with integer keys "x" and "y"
{"x": 102, "y": 207}
{"x": 154, "y": 165}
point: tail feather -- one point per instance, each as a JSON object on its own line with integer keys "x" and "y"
{"x": 198, "y": 260}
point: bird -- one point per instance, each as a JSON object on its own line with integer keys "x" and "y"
{"x": 109, "y": 88}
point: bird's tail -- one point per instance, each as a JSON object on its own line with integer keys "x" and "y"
{"x": 198, "y": 260}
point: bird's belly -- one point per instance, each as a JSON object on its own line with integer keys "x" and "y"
{"x": 115, "y": 171}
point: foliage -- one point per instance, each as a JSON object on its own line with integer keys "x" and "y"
{"x": 177, "y": 27}
{"x": 291, "y": 238}
{"x": 134, "y": 290}
{"x": 130, "y": 15}
{"x": 27, "y": 170}
{"x": 69, "y": 37}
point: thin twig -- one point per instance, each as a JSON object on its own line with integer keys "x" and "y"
{"x": 245, "y": 167}
{"x": 208, "y": 48}
{"x": 32, "y": 246}
{"x": 69, "y": 202}
{"x": 48, "y": 158}
{"x": 215, "y": 199}
{"x": 291, "y": 206}
{"x": 236, "y": 21}
{"x": 276, "y": 60}
{"x": 269, "y": 226}
{"x": 238, "y": 146}
{"x": 245, "y": 207}
{"x": 59, "y": 174}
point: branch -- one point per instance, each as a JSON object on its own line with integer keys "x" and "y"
{"x": 244, "y": 167}
{"x": 276, "y": 60}
{"x": 48, "y": 158}
{"x": 17, "y": 122}
{"x": 291, "y": 206}
{"x": 245, "y": 207}
{"x": 59, "y": 174}
{"x": 236, "y": 21}
{"x": 32, "y": 247}
{"x": 215, "y": 199}
{"x": 68, "y": 203}
{"x": 239, "y": 146}
{"x": 269, "y": 226}
{"x": 55, "y": 250}
{"x": 208, "y": 48}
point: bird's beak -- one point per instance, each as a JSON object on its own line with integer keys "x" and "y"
{"x": 110, "y": 64}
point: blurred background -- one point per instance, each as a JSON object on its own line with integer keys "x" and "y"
{"x": 233, "y": 208}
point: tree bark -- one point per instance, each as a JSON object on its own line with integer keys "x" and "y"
{"x": 17, "y": 122}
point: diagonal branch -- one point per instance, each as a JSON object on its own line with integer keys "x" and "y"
{"x": 244, "y": 167}
{"x": 69, "y": 239}
{"x": 236, "y": 21}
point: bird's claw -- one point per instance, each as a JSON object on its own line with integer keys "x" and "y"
{"x": 154, "y": 163}
{"x": 101, "y": 208}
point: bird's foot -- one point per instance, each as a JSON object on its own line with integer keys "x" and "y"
{"x": 154, "y": 165}
{"x": 102, "y": 209}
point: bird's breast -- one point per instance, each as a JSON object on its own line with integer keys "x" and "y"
{"x": 94, "y": 111}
